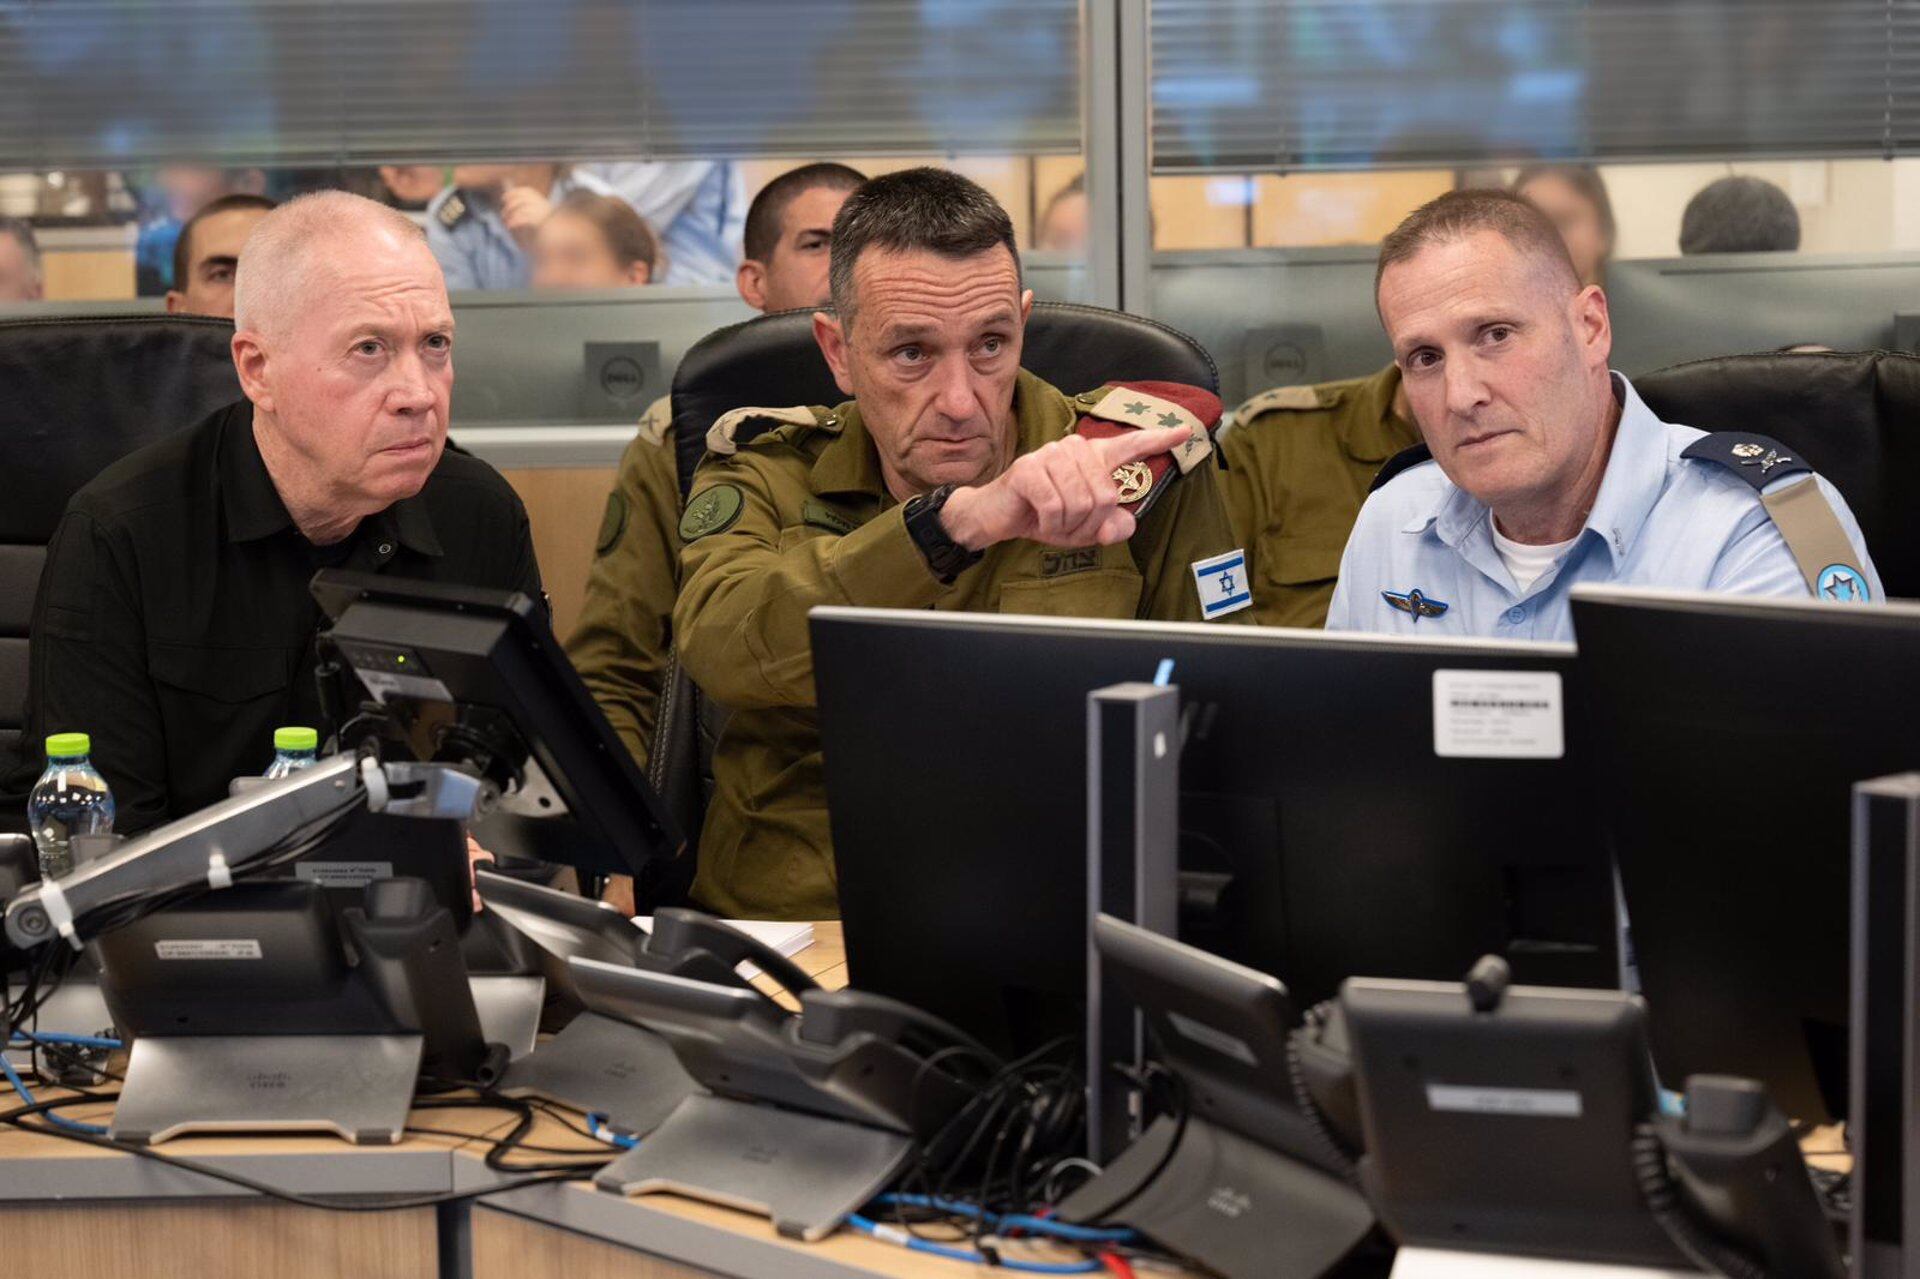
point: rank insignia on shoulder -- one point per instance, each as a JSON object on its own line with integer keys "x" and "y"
{"x": 1754, "y": 458}
{"x": 1416, "y": 604}
{"x": 1222, "y": 584}
{"x": 454, "y": 210}
{"x": 1842, "y": 584}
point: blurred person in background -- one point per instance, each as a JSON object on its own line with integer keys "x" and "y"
{"x": 698, "y": 209}
{"x": 482, "y": 227}
{"x": 1575, "y": 198}
{"x": 413, "y": 186}
{"x": 593, "y": 241}
{"x": 207, "y": 254}
{"x": 1063, "y": 223}
{"x": 21, "y": 279}
{"x": 1740, "y": 215}
{"x": 176, "y": 193}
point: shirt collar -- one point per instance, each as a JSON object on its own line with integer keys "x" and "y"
{"x": 851, "y": 464}
{"x": 1376, "y": 432}
{"x": 1636, "y": 473}
{"x": 254, "y": 509}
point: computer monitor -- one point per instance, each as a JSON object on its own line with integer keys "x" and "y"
{"x": 1358, "y": 841}
{"x": 476, "y": 676}
{"x": 602, "y": 355}
{"x": 1728, "y": 734}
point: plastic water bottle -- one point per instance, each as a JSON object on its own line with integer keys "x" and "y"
{"x": 293, "y": 750}
{"x": 71, "y": 798}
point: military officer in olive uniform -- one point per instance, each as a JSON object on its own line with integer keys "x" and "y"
{"x": 1299, "y": 460}
{"x": 951, "y": 480}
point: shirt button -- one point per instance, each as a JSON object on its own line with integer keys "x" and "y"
{"x": 386, "y": 548}
{"x": 1516, "y": 614}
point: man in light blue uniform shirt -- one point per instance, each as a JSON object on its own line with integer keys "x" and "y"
{"x": 481, "y": 227}
{"x": 698, "y": 208}
{"x": 1546, "y": 468}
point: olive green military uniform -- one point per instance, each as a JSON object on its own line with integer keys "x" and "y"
{"x": 1299, "y": 460}
{"x": 620, "y": 643}
{"x": 799, "y": 517}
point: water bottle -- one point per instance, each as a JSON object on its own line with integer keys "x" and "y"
{"x": 71, "y": 798}
{"x": 293, "y": 750}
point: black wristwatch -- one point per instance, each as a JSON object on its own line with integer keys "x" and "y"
{"x": 946, "y": 557}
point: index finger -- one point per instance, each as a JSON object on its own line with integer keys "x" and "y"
{"x": 1137, "y": 446}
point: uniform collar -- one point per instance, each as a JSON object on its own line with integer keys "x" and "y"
{"x": 850, "y": 463}
{"x": 1375, "y": 433}
{"x": 1636, "y": 473}
{"x": 253, "y": 507}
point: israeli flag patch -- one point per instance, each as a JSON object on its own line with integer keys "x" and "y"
{"x": 1222, "y": 585}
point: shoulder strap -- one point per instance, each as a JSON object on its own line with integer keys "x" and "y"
{"x": 1807, "y": 522}
{"x": 742, "y": 426}
{"x": 1405, "y": 459}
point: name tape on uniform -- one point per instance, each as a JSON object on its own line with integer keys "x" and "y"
{"x": 1222, "y": 584}
{"x": 1498, "y": 715}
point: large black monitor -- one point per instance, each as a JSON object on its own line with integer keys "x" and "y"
{"x": 1729, "y": 733}
{"x": 476, "y": 677}
{"x": 956, "y": 764}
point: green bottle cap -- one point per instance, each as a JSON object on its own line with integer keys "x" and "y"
{"x": 68, "y": 745}
{"x": 296, "y": 739}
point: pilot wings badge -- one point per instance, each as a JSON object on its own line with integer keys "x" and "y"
{"x": 1415, "y": 603}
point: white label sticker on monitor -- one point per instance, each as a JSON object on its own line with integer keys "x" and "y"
{"x": 209, "y": 948}
{"x": 1498, "y": 715}
{"x": 343, "y": 874}
{"x": 1535, "y": 1103}
{"x": 385, "y": 684}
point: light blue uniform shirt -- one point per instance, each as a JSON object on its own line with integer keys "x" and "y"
{"x": 698, "y": 208}
{"x": 479, "y": 252}
{"x": 1659, "y": 520}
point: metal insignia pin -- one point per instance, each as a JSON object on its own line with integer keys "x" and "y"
{"x": 1135, "y": 480}
{"x": 1747, "y": 450}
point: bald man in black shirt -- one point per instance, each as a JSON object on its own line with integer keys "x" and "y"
{"x": 174, "y": 622}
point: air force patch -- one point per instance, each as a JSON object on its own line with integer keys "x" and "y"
{"x": 1843, "y": 584}
{"x": 1222, "y": 584}
{"x": 1416, "y": 604}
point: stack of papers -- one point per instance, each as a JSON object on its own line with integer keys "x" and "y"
{"x": 780, "y": 936}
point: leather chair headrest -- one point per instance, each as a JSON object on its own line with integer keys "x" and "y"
{"x": 1855, "y": 417}
{"x": 84, "y": 391}
{"x": 773, "y": 361}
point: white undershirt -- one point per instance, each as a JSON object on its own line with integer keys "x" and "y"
{"x": 1526, "y": 562}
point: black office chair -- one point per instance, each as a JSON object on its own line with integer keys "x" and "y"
{"x": 82, "y": 392}
{"x": 773, "y": 361}
{"x": 1855, "y": 417}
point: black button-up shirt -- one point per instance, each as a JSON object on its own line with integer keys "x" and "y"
{"x": 174, "y": 622}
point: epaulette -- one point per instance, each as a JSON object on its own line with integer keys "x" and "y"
{"x": 1754, "y": 458}
{"x": 1131, "y": 406}
{"x": 454, "y": 210}
{"x": 1404, "y": 460}
{"x": 657, "y": 420}
{"x": 1804, "y": 517}
{"x": 739, "y": 428}
{"x": 1285, "y": 399}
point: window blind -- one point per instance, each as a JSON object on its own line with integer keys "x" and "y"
{"x": 102, "y": 83}
{"x": 1329, "y": 84}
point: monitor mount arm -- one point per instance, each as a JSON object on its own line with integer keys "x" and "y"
{"x": 236, "y": 834}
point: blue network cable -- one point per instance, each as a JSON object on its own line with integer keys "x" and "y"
{"x": 601, "y": 1126}
{"x": 912, "y": 1243}
{"x": 57, "y": 1120}
{"x": 1062, "y": 1230}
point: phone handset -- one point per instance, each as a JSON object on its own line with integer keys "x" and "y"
{"x": 696, "y": 945}
{"x": 831, "y": 1017}
{"x": 1727, "y": 1182}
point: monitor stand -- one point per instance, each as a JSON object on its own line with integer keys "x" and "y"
{"x": 1237, "y": 1207}
{"x": 602, "y": 1066}
{"x": 359, "y": 1086}
{"x": 1435, "y": 1263}
{"x": 805, "y": 1172}
{"x": 509, "y": 1008}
